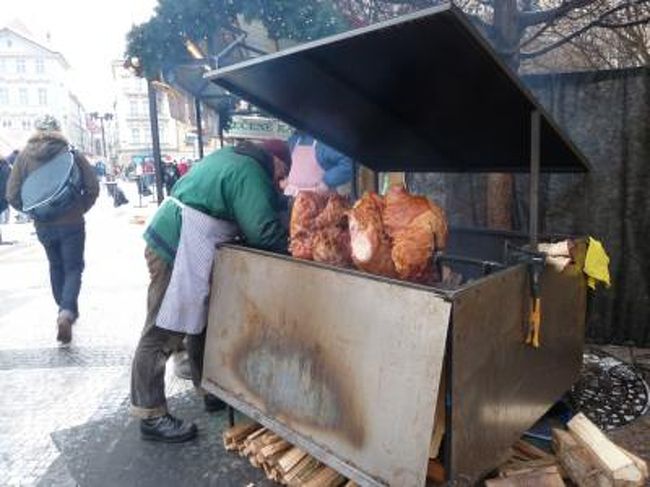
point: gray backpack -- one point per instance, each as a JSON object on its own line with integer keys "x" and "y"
{"x": 53, "y": 188}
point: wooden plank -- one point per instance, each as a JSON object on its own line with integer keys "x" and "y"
{"x": 611, "y": 458}
{"x": 534, "y": 479}
{"x": 578, "y": 462}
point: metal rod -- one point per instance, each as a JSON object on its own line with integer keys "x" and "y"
{"x": 231, "y": 416}
{"x": 199, "y": 126}
{"x": 535, "y": 126}
{"x": 155, "y": 138}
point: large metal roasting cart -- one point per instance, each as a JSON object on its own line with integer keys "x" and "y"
{"x": 347, "y": 365}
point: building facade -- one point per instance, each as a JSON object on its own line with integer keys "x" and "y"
{"x": 134, "y": 143}
{"x": 34, "y": 82}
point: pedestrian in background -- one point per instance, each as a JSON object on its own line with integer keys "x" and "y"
{"x": 62, "y": 237}
{"x": 5, "y": 169}
{"x": 170, "y": 176}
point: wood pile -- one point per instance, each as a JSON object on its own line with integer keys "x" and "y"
{"x": 584, "y": 456}
{"x": 281, "y": 461}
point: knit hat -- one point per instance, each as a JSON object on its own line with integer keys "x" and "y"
{"x": 47, "y": 123}
{"x": 278, "y": 148}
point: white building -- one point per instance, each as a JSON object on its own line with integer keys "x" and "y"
{"x": 133, "y": 124}
{"x": 33, "y": 82}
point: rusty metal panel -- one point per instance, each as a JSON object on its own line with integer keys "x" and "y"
{"x": 345, "y": 366}
{"x": 500, "y": 386}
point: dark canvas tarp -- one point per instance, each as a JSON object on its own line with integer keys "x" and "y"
{"x": 608, "y": 117}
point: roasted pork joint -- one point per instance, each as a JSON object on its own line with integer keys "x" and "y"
{"x": 371, "y": 246}
{"x": 319, "y": 228}
{"x": 417, "y": 228}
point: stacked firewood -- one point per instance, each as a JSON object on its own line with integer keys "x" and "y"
{"x": 583, "y": 456}
{"x": 281, "y": 461}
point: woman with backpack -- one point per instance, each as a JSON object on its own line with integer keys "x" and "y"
{"x": 59, "y": 216}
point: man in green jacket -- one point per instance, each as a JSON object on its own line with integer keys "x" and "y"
{"x": 238, "y": 185}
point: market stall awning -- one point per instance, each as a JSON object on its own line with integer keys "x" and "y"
{"x": 419, "y": 93}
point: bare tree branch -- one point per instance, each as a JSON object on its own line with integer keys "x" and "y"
{"x": 600, "y": 21}
{"x": 527, "y": 19}
{"x": 623, "y": 25}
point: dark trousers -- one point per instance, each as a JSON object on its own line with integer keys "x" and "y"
{"x": 64, "y": 246}
{"x": 156, "y": 345}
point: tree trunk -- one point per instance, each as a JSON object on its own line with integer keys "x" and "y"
{"x": 500, "y": 186}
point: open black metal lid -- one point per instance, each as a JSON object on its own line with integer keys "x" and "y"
{"x": 420, "y": 93}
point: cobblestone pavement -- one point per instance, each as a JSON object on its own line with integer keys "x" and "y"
{"x": 46, "y": 387}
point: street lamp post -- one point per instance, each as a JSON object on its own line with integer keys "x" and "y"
{"x": 101, "y": 118}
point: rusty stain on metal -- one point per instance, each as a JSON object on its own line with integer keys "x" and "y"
{"x": 304, "y": 385}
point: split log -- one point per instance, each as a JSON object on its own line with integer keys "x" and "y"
{"x": 436, "y": 472}
{"x": 440, "y": 419}
{"x": 613, "y": 461}
{"x": 303, "y": 471}
{"x": 290, "y": 459}
{"x": 530, "y": 451}
{"x": 234, "y": 436}
{"x": 268, "y": 451}
{"x": 578, "y": 462}
{"x": 511, "y": 468}
{"x": 325, "y": 477}
{"x": 532, "y": 479}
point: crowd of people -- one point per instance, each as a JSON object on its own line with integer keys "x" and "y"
{"x": 241, "y": 193}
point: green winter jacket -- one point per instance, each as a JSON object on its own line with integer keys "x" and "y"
{"x": 229, "y": 186}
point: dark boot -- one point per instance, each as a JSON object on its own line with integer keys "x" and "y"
{"x": 64, "y": 324}
{"x": 167, "y": 429}
{"x": 213, "y": 403}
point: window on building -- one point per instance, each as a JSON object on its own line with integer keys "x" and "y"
{"x": 98, "y": 146}
{"x": 27, "y": 124}
{"x": 40, "y": 65}
{"x": 4, "y": 96}
{"x": 23, "y": 98}
{"x": 6, "y": 124}
{"x": 133, "y": 107}
{"x": 135, "y": 135}
{"x": 42, "y": 96}
{"x": 20, "y": 65}
{"x": 145, "y": 107}
{"x": 3, "y": 65}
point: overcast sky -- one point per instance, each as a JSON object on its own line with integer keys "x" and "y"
{"x": 89, "y": 33}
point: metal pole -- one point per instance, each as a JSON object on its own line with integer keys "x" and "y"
{"x": 199, "y": 126}
{"x": 535, "y": 127}
{"x": 155, "y": 138}
{"x": 220, "y": 130}
{"x": 101, "y": 122}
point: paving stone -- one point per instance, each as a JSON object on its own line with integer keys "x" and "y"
{"x": 110, "y": 452}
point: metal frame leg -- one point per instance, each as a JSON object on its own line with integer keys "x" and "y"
{"x": 231, "y": 416}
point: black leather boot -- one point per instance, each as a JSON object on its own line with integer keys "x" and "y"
{"x": 167, "y": 429}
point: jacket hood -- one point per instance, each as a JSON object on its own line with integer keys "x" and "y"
{"x": 43, "y": 146}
